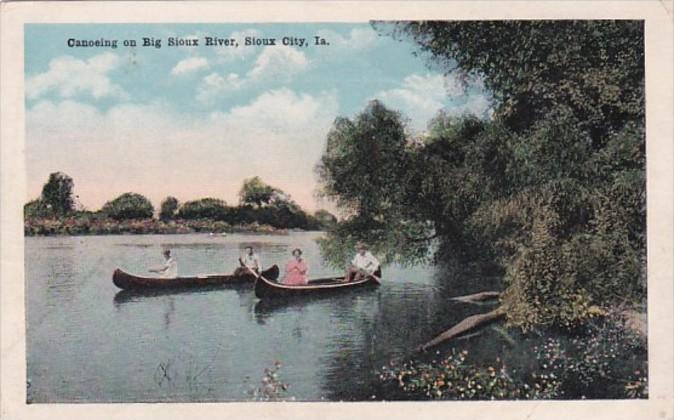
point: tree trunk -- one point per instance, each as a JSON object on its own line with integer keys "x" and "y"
{"x": 466, "y": 325}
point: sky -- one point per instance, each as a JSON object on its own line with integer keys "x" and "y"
{"x": 195, "y": 121}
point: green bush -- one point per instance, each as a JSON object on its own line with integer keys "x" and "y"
{"x": 168, "y": 208}
{"x": 603, "y": 360}
{"x": 36, "y": 208}
{"x": 325, "y": 219}
{"x": 455, "y": 378}
{"x": 128, "y": 206}
{"x": 205, "y": 208}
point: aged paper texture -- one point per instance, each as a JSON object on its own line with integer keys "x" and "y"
{"x": 281, "y": 209}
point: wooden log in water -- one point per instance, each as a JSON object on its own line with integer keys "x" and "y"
{"x": 478, "y": 297}
{"x": 464, "y": 326}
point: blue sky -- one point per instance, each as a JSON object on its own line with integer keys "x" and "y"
{"x": 195, "y": 121}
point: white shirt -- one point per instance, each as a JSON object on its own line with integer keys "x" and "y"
{"x": 366, "y": 262}
{"x": 252, "y": 261}
{"x": 170, "y": 269}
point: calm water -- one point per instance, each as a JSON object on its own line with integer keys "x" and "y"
{"x": 87, "y": 342}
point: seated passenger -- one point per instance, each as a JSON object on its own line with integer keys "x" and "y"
{"x": 296, "y": 269}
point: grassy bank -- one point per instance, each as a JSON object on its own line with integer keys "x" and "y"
{"x": 605, "y": 358}
{"x": 108, "y": 226}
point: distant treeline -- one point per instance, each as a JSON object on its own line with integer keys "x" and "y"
{"x": 262, "y": 208}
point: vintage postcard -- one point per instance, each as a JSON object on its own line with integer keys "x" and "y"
{"x": 415, "y": 210}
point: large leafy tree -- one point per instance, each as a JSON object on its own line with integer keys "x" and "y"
{"x": 256, "y": 192}
{"x": 552, "y": 187}
{"x": 362, "y": 161}
{"x": 569, "y": 221}
{"x": 593, "y": 69}
{"x": 168, "y": 208}
{"x": 365, "y": 169}
{"x": 57, "y": 194}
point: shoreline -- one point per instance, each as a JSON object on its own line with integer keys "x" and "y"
{"x": 94, "y": 227}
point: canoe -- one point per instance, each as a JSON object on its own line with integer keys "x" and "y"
{"x": 128, "y": 281}
{"x": 266, "y": 288}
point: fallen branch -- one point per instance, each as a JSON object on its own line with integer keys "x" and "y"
{"x": 466, "y": 325}
{"x": 478, "y": 297}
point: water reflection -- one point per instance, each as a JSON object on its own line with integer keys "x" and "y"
{"x": 81, "y": 348}
{"x": 406, "y": 314}
{"x": 170, "y": 311}
{"x": 139, "y": 295}
{"x": 335, "y": 304}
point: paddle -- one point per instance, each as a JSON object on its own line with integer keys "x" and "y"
{"x": 377, "y": 278}
{"x": 374, "y": 276}
{"x": 250, "y": 269}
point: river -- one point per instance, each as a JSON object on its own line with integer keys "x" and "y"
{"x": 86, "y": 342}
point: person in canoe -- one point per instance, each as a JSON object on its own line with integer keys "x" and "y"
{"x": 251, "y": 260}
{"x": 362, "y": 265}
{"x": 170, "y": 268}
{"x": 296, "y": 269}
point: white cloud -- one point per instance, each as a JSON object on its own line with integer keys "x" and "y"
{"x": 278, "y": 63}
{"x": 69, "y": 76}
{"x": 190, "y": 65}
{"x": 476, "y": 105}
{"x": 229, "y": 54}
{"x": 420, "y": 97}
{"x": 358, "y": 39}
{"x": 277, "y": 110}
{"x": 157, "y": 150}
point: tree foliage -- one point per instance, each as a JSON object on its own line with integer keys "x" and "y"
{"x": 275, "y": 210}
{"x": 36, "y": 208}
{"x": 552, "y": 187}
{"x": 255, "y": 192}
{"x": 364, "y": 157}
{"x": 57, "y": 194}
{"x": 365, "y": 169}
{"x": 592, "y": 69}
{"x": 205, "y": 208}
{"x": 325, "y": 218}
{"x": 128, "y": 206}
{"x": 168, "y": 208}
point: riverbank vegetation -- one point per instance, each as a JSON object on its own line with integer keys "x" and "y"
{"x": 549, "y": 191}
{"x": 262, "y": 209}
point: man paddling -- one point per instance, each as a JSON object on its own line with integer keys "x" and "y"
{"x": 362, "y": 265}
{"x": 170, "y": 268}
{"x": 251, "y": 260}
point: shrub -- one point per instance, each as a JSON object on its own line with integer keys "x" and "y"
{"x": 36, "y": 208}
{"x": 325, "y": 219}
{"x": 454, "y": 378}
{"x": 128, "y": 206}
{"x": 603, "y": 360}
{"x": 168, "y": 208}
{"x": 205, "y": 208}
{"x": 271, "y": 387}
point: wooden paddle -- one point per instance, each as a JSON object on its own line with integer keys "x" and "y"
{"x": 374, "y": 276}
{"x": 250, "y": 269}
{"x": 378, "y": 279}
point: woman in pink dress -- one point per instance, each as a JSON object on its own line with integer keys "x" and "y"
{"x": 296, "y": 269}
